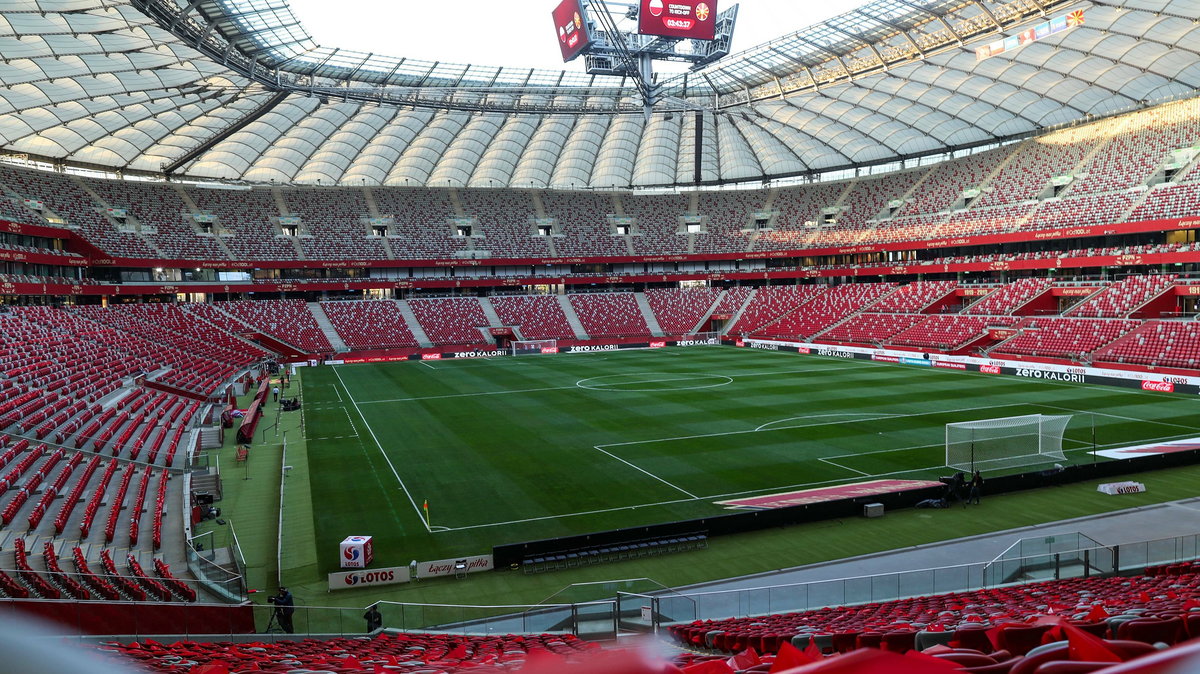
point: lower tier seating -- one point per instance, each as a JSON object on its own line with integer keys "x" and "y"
{"x": 383, "y": 652}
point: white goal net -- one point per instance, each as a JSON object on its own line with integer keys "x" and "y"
{"x": 1008, "y": 442}
{"x": 531, "y": 347}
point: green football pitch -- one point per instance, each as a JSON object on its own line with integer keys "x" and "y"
{"x": 514, "y": 449}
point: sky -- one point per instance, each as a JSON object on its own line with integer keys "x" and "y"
{"x": 514, "y": 33}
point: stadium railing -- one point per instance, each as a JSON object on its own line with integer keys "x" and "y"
{"x": 624, "y": 607}
{"x": 283, "y": 473}
{"x": 1060, "y": 564}
{"x": 218, "y": 564}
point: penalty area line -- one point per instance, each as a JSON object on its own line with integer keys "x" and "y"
{"x": 838, "y": 465}
{"x": 643, "y": 470}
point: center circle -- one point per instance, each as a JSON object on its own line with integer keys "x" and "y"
{"x": 654, "y": 381}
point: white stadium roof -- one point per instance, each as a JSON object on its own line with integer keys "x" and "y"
{"x": 237, "y": 90}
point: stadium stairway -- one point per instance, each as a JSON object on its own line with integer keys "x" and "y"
{"x": 648, "y": 314}
{"x": 699, "y": 326}
{"x": 572, "y": 317}
{"x": 738, "y": 311}
{"x": 335, "y": 340}
{"x": 413, "y": 324}
{"x": 490, "y": 312}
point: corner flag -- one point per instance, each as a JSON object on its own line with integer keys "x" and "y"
{"x": 426, "y": 507}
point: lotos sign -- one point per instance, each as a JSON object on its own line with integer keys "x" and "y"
{"x": 448, "y": 567}
{"x": 348, "y": 579}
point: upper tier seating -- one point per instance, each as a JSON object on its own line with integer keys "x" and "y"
{"x": 534, "y": 316}
{"x": 728, "y": 213}
{"x": 1110, "y": 159}
{"x": 13, "y": 210}
{"x": 161, "y": 209}
{"x": 370, "y": 324}
{"x": 946, "y": 183}
{"x": 1008, "y": 298}
{"x": 657, "y": 220}
{"x": 1124, "y": 296}
{"x": 583, "y": 219}
{"x": 1169, "y": 200}
{"x": 1144, "y": 141}
{"x": 1157, "y": 343}
{"x": 65, "y": 198}
{"x": 1063, "y": 337}
{"x": 451, "y": 320}
{"x": 506, "y": 218}
{"x": 1078, "y": 211}
{"x": 287, "y": 320}
{"x": 609, "y": 315}
{"x": 1037, "y": 161}
{"x": 334, "y": 219}
{"x": 825, "y": 309}
{"x": 422, "y": 222}
{"x": 947, "y": 332}
{"x": 247, "y": 215}
{"x": 678, "y": 311}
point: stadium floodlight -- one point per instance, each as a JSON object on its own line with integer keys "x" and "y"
{"x": 532, "y": 347}
{"x": 1006, "y": 442}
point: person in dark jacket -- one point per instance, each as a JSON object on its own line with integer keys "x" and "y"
{"x": 374, "y": 618}
{"x": 285, "y": 606}
{"x": 976, "y": 488}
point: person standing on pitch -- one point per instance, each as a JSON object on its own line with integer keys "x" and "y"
{"x": 976, "y": 488}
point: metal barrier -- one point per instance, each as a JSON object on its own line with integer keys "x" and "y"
{"x": 624, "y": 609}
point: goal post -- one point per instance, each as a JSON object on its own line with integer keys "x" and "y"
{"x": 1006, "y": 442}
{"x": 531, "y": 347}
{"x": 697, "y": 338}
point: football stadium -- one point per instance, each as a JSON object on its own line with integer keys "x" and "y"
{"x": 728, "y": 340}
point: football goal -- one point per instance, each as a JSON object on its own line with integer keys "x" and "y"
{"x": 529, "y": 347}
{"x": 1007, "y": 442}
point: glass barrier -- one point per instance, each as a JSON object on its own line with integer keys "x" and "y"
{"x": 624, "y": 608}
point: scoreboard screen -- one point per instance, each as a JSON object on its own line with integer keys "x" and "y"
{"x": 571, "y": 28}
{"x": 692, "y": 19}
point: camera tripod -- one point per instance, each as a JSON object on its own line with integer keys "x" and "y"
{"x": 273, "y": 626}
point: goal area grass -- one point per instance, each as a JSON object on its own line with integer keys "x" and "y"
{"x": 520, "y": 448}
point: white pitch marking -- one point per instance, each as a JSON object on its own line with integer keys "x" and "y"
{"x": 747, "y": 492}
{"x": 824, "y": 423}
{"x": 420, "y": 515}
{"x": 820, "y": 416}
{"x": 566, "y": 388}
{"x": 1118, "y": 416}
{"x": 838, "y": 465}
{"x": 643, "y": 470}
